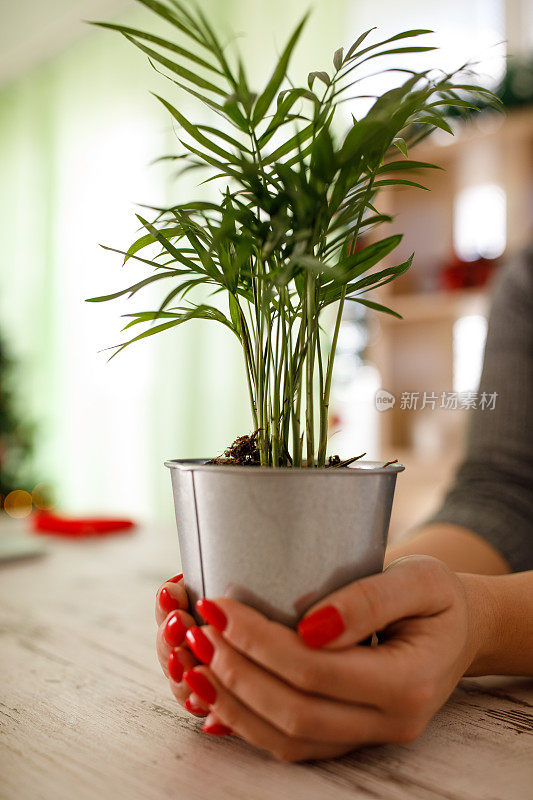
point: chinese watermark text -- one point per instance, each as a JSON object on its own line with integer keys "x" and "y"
{"x": 449, "y": 401}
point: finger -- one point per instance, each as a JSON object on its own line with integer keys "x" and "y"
{"x": 170, "y": 596}
{"x": 170, "y": 634}
{"x": 293, "y": 712}
{"x": 364, "y": 675}
{"x": 243, "y": 722}
{"x": 215, "y": 727}
{"x": 181, "y": 691}
{"x": 180, "y": 661}
{"x": 411, "y": 586}
{"x": 196, "y": 706}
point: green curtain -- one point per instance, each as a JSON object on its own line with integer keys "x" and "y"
{"x": 77, "y": 135}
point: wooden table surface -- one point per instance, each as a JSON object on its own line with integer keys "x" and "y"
{"x": 85, "y": 711}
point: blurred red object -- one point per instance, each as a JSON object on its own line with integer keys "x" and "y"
{"x": 77, "y": 527}
{"x": 458, "y": 274}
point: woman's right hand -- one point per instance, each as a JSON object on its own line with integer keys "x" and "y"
{"x": 174, "y": 656}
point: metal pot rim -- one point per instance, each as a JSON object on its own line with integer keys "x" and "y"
{"x": 357, "y": 468}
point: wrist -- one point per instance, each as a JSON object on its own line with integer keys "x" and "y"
{"x": 483, "y": 620}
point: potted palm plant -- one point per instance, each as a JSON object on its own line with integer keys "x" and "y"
{"x": 276, "y": 522}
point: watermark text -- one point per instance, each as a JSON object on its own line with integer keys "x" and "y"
{"x": 449, "y": 401}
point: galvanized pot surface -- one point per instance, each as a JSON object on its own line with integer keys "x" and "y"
{"x": 280, "y": 539}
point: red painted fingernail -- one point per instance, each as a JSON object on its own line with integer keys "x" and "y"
{"x": 175, "y": 667}
{"x": 200, "y": 686}
{"x": 175, "y": 579}
{"x": 216, "y": 729}
{"x": 200, "y": 644}
{"x": 212, "y": 614}
{"x": 321, "y": 627}
{"x": 175, "y": 630}
{"x": 198, "y": 711}
{"x": 167, "y": 602}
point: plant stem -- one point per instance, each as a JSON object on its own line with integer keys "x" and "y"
{"x": 324, "y": 408}
{"x": 248, "y": 365}
{"x": 310, "y": 359}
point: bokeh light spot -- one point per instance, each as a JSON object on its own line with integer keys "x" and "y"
{"x": 18, "y": 504}
{"x": 42, "y": 496}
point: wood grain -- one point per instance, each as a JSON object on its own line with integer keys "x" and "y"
{"x": 85, "y": 711}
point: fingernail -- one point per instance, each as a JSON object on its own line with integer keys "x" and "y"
{"x": 321, "y": 627}
{"x": 198, "y": 711}
{"x": 175, "y": 667}
{"x": 167, "y": 602}
{"x": 212, "y": 614}
{"x": 216, "y": 729}
{"x": 200, "y": 686}
{"x": 200, "y": 644}
{"x": 175, "y": 630}
{"x": 175, "y": 579}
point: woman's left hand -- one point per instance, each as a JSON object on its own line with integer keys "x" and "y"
{"x": 318, "y": 693}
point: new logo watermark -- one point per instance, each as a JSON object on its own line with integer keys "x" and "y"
{"x": 384, "y": 400}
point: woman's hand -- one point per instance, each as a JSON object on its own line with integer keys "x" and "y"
{"x": 175, "y": 658}
{"x": 318, "y": 693}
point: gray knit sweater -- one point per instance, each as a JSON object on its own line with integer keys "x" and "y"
{"x": 493, "y": 490}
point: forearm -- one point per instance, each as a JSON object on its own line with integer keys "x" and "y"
{"x": 461, "y": 549}
{"x": 500, "y": 610}
{"x": 500, "y": 605}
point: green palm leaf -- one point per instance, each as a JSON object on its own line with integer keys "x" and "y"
{"x": 278, "y": 76}
{"x": 281, "y": 241}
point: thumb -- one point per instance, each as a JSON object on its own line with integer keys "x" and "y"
{"x": 411, "y": 586}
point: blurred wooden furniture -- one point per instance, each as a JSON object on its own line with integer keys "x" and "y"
{"x": 85, "y": 711}
{"x": 416, "y": 354}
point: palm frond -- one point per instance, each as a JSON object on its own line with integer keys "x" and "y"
{"x": 283, "y": 242}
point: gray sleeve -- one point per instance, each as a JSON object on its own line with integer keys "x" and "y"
{"x": 493, "y": 490}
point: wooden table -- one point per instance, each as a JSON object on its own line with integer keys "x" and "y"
{"x": 85, "y": 711}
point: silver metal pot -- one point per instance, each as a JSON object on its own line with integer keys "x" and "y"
{"x": 280, "y": 539}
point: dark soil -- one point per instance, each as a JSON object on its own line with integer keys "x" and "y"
{"x": 244, "y": 452}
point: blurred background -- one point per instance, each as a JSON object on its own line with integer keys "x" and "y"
{"x": 78, "y": 133}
